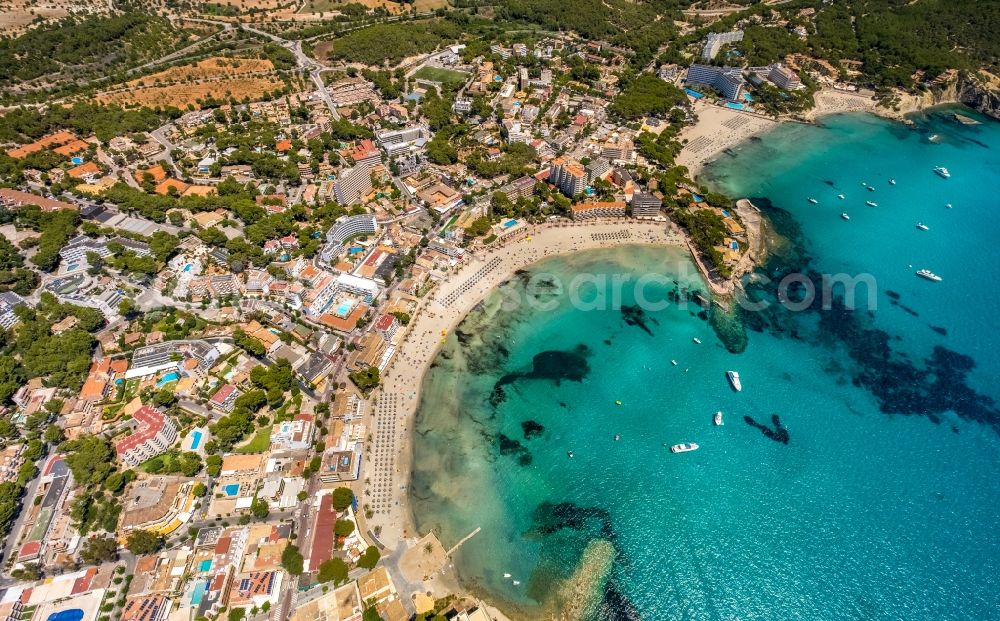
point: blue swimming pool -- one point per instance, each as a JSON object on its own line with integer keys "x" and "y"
{"x": 70, "y": 614}
{"x": 187, "y": 268}
{"x": 693, "y": 93}
{"x": 77, "y": 160}
{"x": 344, "y": 308}
{"x": 166, "y": 379}
{"x": 509, "y": 223}
{"x": 199, "y": 592}
{"x": 195, "y": 440}
{"x": 232, "y": 489}
{"x": 697, "y": 198}
{"x": 205, "y": 565}
{"x": 355, "y": 250}
{"x": 735, "y": 106}
{"x": 747, "y": 97}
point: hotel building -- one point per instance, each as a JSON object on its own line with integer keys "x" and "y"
{"x": 394, "y": 140}
{"x": 345, "y": 228}
{"x": 367, "y": 153}
{"x": 726, "y": 80}
{"x": 784, "y": 78}
{"x": 519, "y": 188}
{"x": 714, "y": 42}
{"x": 569, "y": 177}
{"x": 645, "y": 205}
{"x": 153, "y": 436}
{"x": 583, "y": 211}
{"x": 352, "y": 185}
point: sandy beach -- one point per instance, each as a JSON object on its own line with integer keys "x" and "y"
{"x": 395, "y": 402}
{"x": 717, "y": 129}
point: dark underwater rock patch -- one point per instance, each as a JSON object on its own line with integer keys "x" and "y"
{"x": 552, "y": 365}
{"x": 940, "y": 330}
{"x": 635, "y": 316}
{"x": 510, "y": 447}
{"x": 616, "y": 606}
{"x": 776, "y": 432}
{"x": 900, "y": 386}
{"x": 549, "y": 518}
{"x": 532, "y": 429}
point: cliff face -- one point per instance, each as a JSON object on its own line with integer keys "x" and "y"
{"x": 978, "y": 95}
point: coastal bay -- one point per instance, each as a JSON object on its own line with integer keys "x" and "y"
{"x": 746, "y": 525}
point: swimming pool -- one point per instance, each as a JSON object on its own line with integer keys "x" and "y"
{"x": 77, "y": 160}
{"x": 187, "y": 268}
{"x": 232, "y": 489}
{"x": 199, "y": 592}
{"x": 205, "y": 565}
{"x": 344, "y": 308}
{"x": 693, "y": 93}
{"x": 70, "y": 614}
{"x": 355, "y": 250}
{"x": 747, "y": 97}
{"x": 509, "y": 223}
{"x": 697, "y": 198}
{"x": 735, "y": 106}
{"x": 166, "y": 379}
{"x": 195, "y": 440}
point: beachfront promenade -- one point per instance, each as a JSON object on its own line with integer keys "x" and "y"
{"x": 395, "y": 402}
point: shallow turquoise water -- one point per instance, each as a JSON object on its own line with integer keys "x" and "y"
{"x": 884, "y": 503}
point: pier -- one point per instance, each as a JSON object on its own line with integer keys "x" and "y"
{"x": 464, "y": 539}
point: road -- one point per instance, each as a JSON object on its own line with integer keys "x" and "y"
{"x": 29, "y": 495}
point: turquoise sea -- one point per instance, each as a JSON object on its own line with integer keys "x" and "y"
{"x": 883, "y": 499}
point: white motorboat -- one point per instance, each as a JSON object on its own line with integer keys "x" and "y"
{"x": 687, "y": 447}
{"x": 892, "y": 182}
{"x": 929, "y": 275}
{"x": 923, "y": 227}
{"x": 840, "y": 196}
{"x": 734, "y": 380}
{"x": 697, "y": 340}
{"x": 717, "y": 419}
{"x": 845, "y": 216}
{"x": 871, "y": 203}
{"x": 673, "y": 362}
{"x": 942, "y": 172}
{"x": 814, "y": 201}
{"x": 947, "y": 205}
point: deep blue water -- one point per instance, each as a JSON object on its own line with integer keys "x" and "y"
{"x": 883, "y": 503}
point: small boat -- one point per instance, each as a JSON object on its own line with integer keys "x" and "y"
{"x": 871, "y": 203}
{"x": 871, "y": 188}
{"x": 923, "y": 227}
{"x": 840, "y": 196}
{"x": 929, "y": 275}
{"x": 617, "y": 437}
{"x": 516, "y": 582}
{"x": 934, "y": 138}
{"x": 845, "y": 216}
{"x": 673, "y": 362}
{"x": 617, "y": 402}
{"x": 718, "y": 419}
{"x": 569, "y": 454}
{"x": 687, "y": 447}
{"x": 942, "y": 172}
{"x": 506, "y": 575}
{"x": 697, "y": 340}
{"x": 892, "y": 182}
{"x": 734, "y": 380}
{"x": 947, "y": 205}
{"x": 814, "y": 201}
